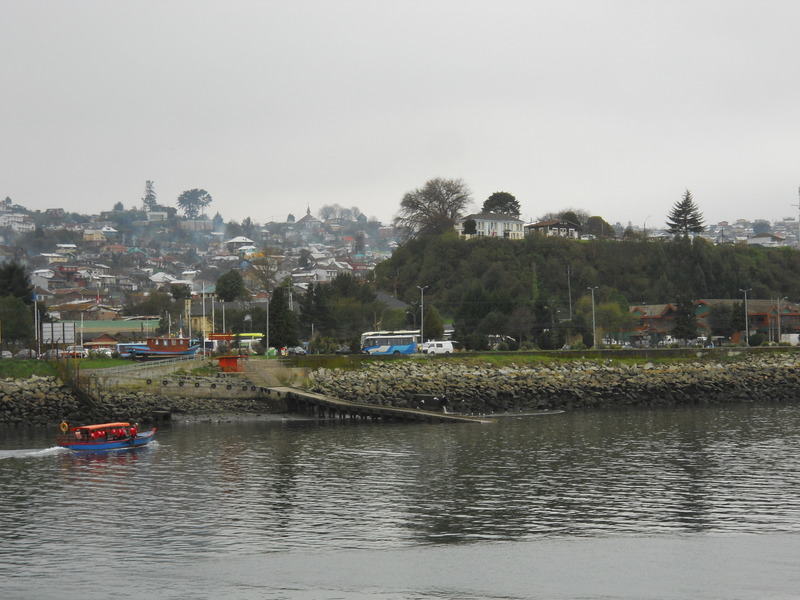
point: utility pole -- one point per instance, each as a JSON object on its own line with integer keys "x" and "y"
{"x": 422, "y": 313}
{"x": 267, "y": 326}
{"x": 594, "y": 321}
{"x": 746, "y": 317}
{"x": 569, "y": 289}
{"x": 798, "y": 220}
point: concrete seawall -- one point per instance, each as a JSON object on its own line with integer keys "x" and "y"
{"x": 144, "y": 391}
{"x": 148, "y": 396}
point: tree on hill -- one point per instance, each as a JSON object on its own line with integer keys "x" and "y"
{"x": 180, "y": 291}
{"x": 685, "y": 217}
{"x": 156, "y": 302}
{"x": 574, "y": 218}
{"x": 17, "y": 320}
{"x": 598, "y": 227}
{"x": 761, "y": 226}
{"x": 263, "y": 266}
{"x": 230, "y": 286}
{"x": 341, "y": 309}
{"x": 316, "y": 314}
{"x": 192, "y": 202}
{"x": 14, "y": 281}
{"x": 149, "y": 201}
{"x": 501, "y": 203}
{"x": 217, "y": 222}
{"x": 433, "y": 208}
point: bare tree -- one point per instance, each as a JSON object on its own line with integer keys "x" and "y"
{"x": 263, "y": 266}
{"x": 433, "y": 208}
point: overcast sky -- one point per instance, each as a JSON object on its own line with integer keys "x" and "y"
{"x": 614, "y": 107}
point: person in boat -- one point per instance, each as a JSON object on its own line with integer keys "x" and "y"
{"x": 134, "y": 430}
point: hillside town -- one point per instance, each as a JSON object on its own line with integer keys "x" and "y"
{"x": 86, "y": 268}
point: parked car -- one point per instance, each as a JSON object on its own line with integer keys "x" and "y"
{"x": 437, "y": 347}
{"x": 344, "y": 350}
{"x": 296, "y": 351}
{"x": 76, "y": 352}
{"x": 102, "y": 352}
{"x": 27, "y": 353}
{"x": 6, "y": 354}
{"x": 53, "y": 354}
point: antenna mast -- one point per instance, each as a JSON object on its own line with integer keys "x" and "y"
{"x": 798, "y": 223}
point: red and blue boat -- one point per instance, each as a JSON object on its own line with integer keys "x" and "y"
{"x": 104, "y": 436}
{"x": 164, "y": 347}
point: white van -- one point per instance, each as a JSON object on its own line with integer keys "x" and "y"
{"x": 437, "y": 347}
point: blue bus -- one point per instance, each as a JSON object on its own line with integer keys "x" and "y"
{"x": 390, "y": 342}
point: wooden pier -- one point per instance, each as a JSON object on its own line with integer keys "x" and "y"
{"x": 301, "y": 401}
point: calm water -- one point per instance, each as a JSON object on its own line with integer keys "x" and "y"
{"x": 667, "y": 503}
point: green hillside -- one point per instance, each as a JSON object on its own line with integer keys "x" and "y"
{"x": 491, "y": 285}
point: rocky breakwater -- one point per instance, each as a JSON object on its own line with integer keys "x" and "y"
{"x": 36, "y": 400}
{"x": 481, "y": 388}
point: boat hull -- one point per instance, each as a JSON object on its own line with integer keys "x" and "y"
{"x": 143, "y": 353}
{"x": 140, "y": 440}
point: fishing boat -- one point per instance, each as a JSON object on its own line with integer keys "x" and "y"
{"x": 102, "y": 437}
{"x": 165, "y": 347}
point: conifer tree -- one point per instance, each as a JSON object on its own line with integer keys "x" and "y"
{"x": 149, "y": 201}
{"x": 685, "y": 320}
{"x": 14, "y": 281}
{"x": 685, "y": 217}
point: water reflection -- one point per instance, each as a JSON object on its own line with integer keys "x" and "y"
{"x": 271, "y": 486}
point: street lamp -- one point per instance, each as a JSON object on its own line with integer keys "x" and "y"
{"x": 746, "y": 317}
{"x": 553, "y": 313}
{"x": 594, "y": 321}
{"x": 248, "y": 322}
{"x": 422, "y": 312}
{"x": 267, "y": 332}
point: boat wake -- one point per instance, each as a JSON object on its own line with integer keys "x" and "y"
{"x": 32, "y": 453}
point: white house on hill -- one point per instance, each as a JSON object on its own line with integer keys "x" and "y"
{"x": 492, "y": 225}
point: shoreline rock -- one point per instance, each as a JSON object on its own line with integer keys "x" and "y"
{"x": 469, "y": 388}
{"x": 486, "y": 389}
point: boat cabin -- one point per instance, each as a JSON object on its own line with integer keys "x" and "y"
{"x": 96, "y": 433}
{"x": 169, "y": 344}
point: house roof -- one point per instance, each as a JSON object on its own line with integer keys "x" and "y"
{"x": 554, "y": 222}
{"x": 652, "y": 310}
{"x": 391, "y": 301}
{"x": 490, "y": 216}
{"x": 240, "y": 239}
